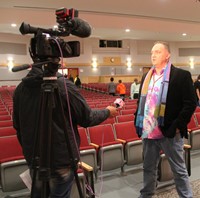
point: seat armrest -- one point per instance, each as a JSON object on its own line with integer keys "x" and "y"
{"x": 95, "y": 145}
{"x": 85, "y": 166}
{"x": 88, "y": 172}
{"x": 122, "y": 141}
{"x": 187, "y": 146}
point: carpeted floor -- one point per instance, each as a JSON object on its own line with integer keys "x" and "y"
{"x": 172, "y": 193}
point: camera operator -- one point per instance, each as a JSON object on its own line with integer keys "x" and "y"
{"x": 26, "y": 108}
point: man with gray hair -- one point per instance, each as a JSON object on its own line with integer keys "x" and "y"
{"x": 166, "y": 103}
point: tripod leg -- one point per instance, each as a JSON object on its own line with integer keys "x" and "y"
{"x": 50, "y": 95}
{"x": 74, "y": 161}
{"x": 42, "y": 145}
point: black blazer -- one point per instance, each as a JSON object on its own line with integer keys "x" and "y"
{"x": 180, "y": 103}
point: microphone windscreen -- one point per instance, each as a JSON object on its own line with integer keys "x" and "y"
{"x": 81, "y": 28}
{"x": 119, "y": 103}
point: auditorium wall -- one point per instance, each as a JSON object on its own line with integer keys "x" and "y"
{"x": 110, "y": 61}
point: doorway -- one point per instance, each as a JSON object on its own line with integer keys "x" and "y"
{"x": 73, "y": 72}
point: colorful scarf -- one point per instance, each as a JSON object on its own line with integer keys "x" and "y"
{"x": 161, "y": 103}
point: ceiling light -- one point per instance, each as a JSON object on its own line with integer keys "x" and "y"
{"x": 13, "y": 25}
{"x": 10, "y": 63}
{"x": 128, "y": 63}
{"x": 184, "y": 34}
{"x": 191, "y": 62}
{"x": 127, "y": 30}
{"x": 94, "y": 63}
{"x": 55, "y": 27}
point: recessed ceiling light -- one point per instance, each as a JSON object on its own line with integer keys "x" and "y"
{"x": 184, "y": 34}
{"x": 13, "y": 25}
{"x": 127, "y": 30}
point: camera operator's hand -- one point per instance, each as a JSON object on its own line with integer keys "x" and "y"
{"x": 113, "y": 111}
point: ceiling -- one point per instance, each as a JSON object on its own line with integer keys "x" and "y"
{"x": 147, "y": 19}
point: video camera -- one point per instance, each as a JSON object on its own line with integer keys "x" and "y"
{"x": 46, "y": 42}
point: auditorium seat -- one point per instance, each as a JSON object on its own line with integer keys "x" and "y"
{"x": 164, "y": 171}
{"x": 125, "y": 132}
{"x": 6, "y": 123}
{"x": 4, "y": 112}
{"x": 130, "y": 106}
{"x": 92, "y": 106}
{"x": 109, "y": 121}
{"x": 132, "y": 101}
{"x": 109, "y": 150}
{"x": 194, "y": 132}
{"x": 85, "y": 175}
{"x": 127, "y": 111}
{"x": 197, "y": 109}
{"x": 87, "y": 152}
{"x": 102, "y": 105}
{"x": 197, "y": 117}
{"x": 193, "y": 122}
{"x": 2, "y": 108}
{"x": 7, "y": 131}
{"x": 125, "y": 118}
{"x": 5, "y": 117}
{"x": 12, "y": 164}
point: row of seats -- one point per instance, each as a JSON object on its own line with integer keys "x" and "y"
{"x": 104, "y": 105}
{"x": 103, "y": 87}
{"x": 110, "y": 150}
{"x": 5, "y": 117}
{"x": 106, "y": 156}
{"x": 120, "y": 118}
{"x": 6, "y": 126}
{"x": 7, "y": 131}
{"x": 107, "y": 147}
{"x": 6, "y": 123}
{"x": 13, "y": 164}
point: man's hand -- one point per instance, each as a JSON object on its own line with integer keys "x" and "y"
{"x": 113, "y": 111}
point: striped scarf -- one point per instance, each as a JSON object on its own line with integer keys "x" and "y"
{"x": 161, "y": 103}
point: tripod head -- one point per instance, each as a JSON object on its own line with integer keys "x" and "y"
{"x": 50, "y": 68}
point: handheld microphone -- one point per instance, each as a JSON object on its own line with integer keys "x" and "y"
{"x": 80, "y": 28}
{"x": 119, "y": 103}
{"x": 20, "y": 68}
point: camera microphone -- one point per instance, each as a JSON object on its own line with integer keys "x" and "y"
{"x": 80, "y": 28}
{"x": 20, "y": 68}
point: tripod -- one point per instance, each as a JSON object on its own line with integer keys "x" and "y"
{"x": 41, "y": 162}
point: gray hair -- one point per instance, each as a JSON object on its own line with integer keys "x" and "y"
{"x": 166, "y": 45}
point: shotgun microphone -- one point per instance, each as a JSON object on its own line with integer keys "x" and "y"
{"x": 20, "y": 68}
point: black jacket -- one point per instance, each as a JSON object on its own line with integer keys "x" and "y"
{"x": 180, "y": 104}
{"x": 26, "y": 114}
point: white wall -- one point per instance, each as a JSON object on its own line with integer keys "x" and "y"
{"x": 139, "y": 51}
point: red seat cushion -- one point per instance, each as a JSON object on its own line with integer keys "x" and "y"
{"x": 10, "y": 149}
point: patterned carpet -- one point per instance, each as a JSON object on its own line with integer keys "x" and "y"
{"x": 172, "y": 193}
